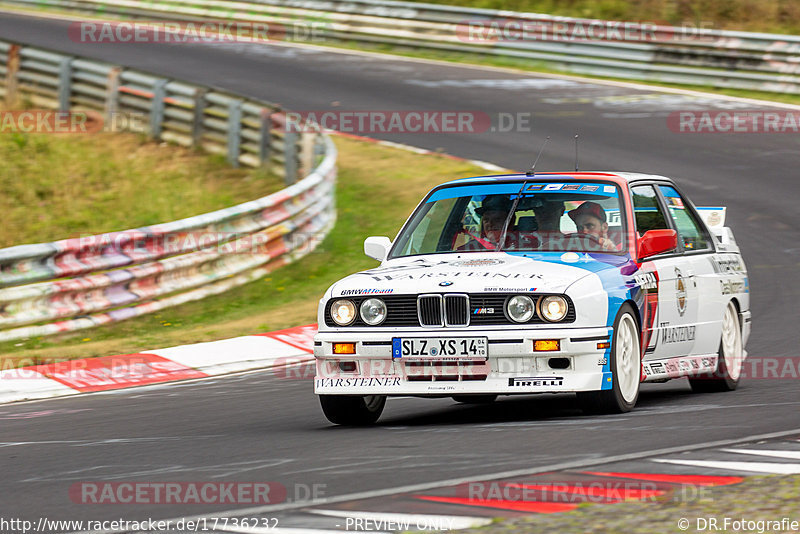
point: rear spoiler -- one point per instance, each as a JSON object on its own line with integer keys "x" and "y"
{"x": 714, "y": 217}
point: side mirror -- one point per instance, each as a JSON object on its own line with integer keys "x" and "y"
{"x": 657, "y": 242}
{"x": 377, "y": 247}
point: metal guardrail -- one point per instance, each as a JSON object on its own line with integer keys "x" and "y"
{"x": 246, "y": 132}
{"x": 82, "y": 282}
{"x": 722, "y": 59}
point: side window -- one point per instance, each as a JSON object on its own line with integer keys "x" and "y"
{"x": 649, "y": 215}
{"x": 690, "y": 232}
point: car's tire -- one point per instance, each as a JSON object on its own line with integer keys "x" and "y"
{"x": 475, "y": 399}
{"x": 626, "y": 369}
{"x": 352, "y": 410}
{"x": 731, "y": 357}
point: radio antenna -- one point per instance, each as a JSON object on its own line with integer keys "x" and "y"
{"x": 576, "y": 152}
{"x": 532, "y": 171}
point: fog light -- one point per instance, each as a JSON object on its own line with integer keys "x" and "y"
{"x": 546, "y": 345}
{"x": 347, "y": 367}
{"x": 344, "y": 348}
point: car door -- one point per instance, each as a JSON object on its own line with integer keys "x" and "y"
{"x": 670, "y": 302}
{"x": 704, "y": 307}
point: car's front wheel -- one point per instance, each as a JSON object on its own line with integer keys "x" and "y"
{"x": 731, "y": 357}
{"x": 352, "y": 410}
{"x": 625, "y": 369}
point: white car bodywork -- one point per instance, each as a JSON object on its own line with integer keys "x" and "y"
{"x": 680, "y": 299}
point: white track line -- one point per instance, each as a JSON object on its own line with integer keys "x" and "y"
{"x": 791, "y": 455}
{"x": 749, "y": 467}
{"x": 409, "y": 521}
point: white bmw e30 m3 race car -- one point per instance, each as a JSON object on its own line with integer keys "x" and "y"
{"x": 585, "y": 282}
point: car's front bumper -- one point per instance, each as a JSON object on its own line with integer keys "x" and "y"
{"x": 512, "y": 366}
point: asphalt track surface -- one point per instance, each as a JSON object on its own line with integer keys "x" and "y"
{"x": 262, "y": 427}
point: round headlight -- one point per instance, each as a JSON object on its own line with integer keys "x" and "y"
{"x": 343, "y": 312}
{"x": 520, "y": 308}
{"x": 553, "y": 308}
{"x": 373, "y": 311}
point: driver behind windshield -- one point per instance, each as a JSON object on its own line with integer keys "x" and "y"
{"x": 590, "y": 219}
{"x": 493, "y": 213}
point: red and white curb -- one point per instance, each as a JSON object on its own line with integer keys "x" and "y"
{"x": 184, "y": 362}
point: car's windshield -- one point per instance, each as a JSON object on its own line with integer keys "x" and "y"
{"x": 571, "y": 216}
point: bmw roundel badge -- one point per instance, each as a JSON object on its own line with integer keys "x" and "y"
{"x": 446, "y": 283}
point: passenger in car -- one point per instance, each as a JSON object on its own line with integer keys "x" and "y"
{"x": 590, "y": 219}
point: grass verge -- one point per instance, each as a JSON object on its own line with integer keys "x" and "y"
{"x": 768, "y": 16}
{"x": 757, "y": 499}
{"x": 59, "y": 186}
{"x": 378, "y": 187}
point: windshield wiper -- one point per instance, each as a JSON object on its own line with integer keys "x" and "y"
{"x": 530, "y": 174}
{"x": 509, "y": 216}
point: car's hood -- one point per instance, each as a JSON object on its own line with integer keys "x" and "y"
{"x": 468, "y": 273}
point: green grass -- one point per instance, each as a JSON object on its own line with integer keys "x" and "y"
{"x": 770, "y": 16}
{"x": 377, "y": 189}
{"x": 60, "y": 186}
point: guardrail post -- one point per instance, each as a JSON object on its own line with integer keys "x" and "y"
{"x": 290, "y": 153}
{"x": 112, "y": 95}
{"x": 307, "y": 152}
{"x": 157, "y": 108}
{"x": 234, "y": 131}
{"x": 319, "y": 148}
{"x": 199, "y": 116}
{"x": 64, "y": 84}
{"x": 265, "y": 137}
{"x": 12, "y": 67}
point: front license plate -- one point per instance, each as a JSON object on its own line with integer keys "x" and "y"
{"x": 440, "y": 348}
